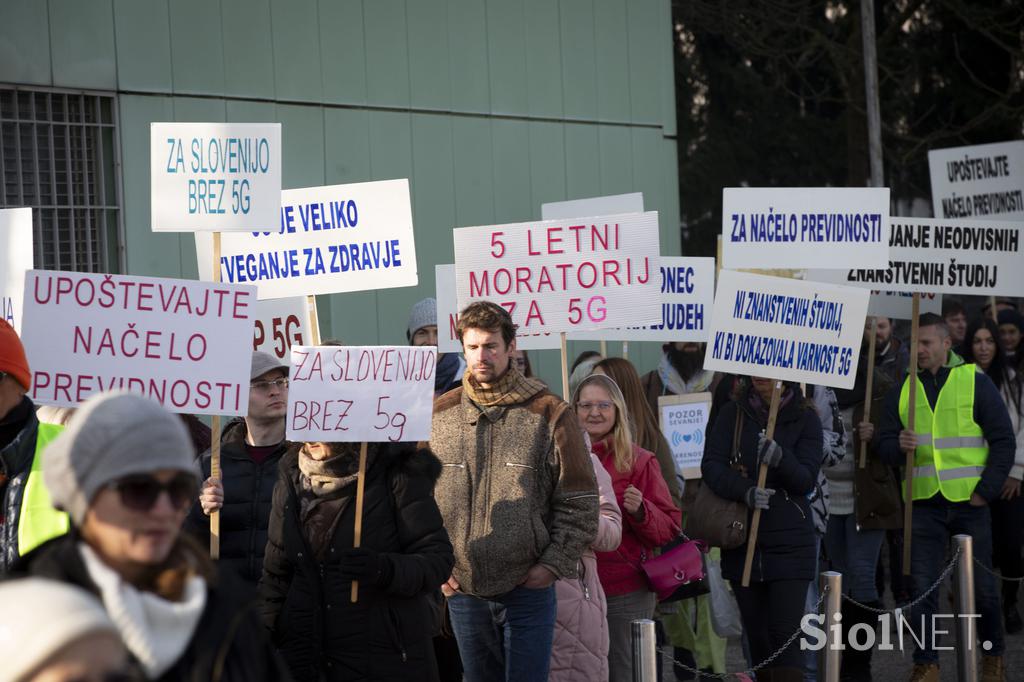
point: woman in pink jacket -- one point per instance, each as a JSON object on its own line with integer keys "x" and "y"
{"x": 649, "y": 518}
{"x": 580, "y": 648}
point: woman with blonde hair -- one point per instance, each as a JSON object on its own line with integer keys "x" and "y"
{"x": 649, "y": 518}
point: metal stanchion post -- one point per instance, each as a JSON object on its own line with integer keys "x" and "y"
{"x": 966, "y": 630}
{"x": 645, "y": 652}
{"x": 831, "y": 586}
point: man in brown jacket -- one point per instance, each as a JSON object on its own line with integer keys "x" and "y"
{"x": 519, "y": 500}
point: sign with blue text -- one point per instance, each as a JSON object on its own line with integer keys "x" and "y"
{"x": 684, "y": 422}
{"x": 805, "y": 227}
{"x": 326, "y": 240}
{"x": 15, "y": 260}
{"x": 214, "y": 177}
{"x": 786, "y": 329}
{"x": 982, "y": 182}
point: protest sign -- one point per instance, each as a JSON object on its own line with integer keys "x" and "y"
{"x": 980, "y": 257}
{"x": 361, "y": 393}
{"x": 979, "y": 182}
{"x": 786, "y": 329}
{"x": 564, "y": 275}
{"x": 326, "y": 240}
{"x": 687, "y": 294}
{"x": 610, "y": 205}
{"x": 214, "y": 177}
{"x": 684, "y": 422}
{"x": 15, "y": 260}
{"x": 182, "y": 343}
{"x": 448, "y": 318}
{"x": 804, "y": 227}
{"x": 281, "y": 323}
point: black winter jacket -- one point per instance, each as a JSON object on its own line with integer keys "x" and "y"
{"x": 248, "y": 493}
{"x": 21, "y": 425}
{"x": 229, "y": 644}
{"x": 386, "y": 634}
{"x": 786, "y": 539}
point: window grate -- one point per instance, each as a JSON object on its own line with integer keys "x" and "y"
{"x": 58, "y": 156}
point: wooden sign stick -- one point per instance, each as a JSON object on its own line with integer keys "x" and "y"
{"x": 314, "y": 320}
{"x": 625, "y": 350}
{"x": 604, "y": 349}
{"x": 762, "y": 478}
{"x": 995, "y": 313}
{"x": 360, "y": 486}
{"x": 215, "y": 430}
{"x": 868, "y": 388}
{"x": 565, "y": 372}
{"x": 908, "y": 474}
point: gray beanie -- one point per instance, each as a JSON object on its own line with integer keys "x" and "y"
{"x": 112, "y": 435}
{"x": 423, "y": 314}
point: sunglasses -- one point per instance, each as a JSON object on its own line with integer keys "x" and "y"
{"x": 140, "y": 493}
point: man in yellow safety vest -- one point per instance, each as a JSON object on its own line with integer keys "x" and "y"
{"x": 963, "y": 447}
{"x": 27, "y": 517}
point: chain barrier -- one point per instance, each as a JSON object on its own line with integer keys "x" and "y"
{"x": 766, "y": 662}
{"x": 911, "y": 604}
{"x": 998, "y": 575}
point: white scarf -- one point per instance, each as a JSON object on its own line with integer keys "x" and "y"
{"x": 155, "y": 630}
{"x": 674, "y": 383}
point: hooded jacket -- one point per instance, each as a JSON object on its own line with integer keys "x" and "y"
{"x": 306, "y": 603}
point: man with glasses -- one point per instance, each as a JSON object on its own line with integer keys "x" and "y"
{"x": 27, "y": 517}
{"x": 250, "y": 451}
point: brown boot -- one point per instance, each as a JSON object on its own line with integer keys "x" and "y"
{"x": 992, "y": 669}
{"x": 925, "y": 672}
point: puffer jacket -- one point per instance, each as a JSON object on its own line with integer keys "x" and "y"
{"x": 248, "y": 492}
{"x": 580, "y": 647}
{"x": 15, "y": 463}
{"x": 516, "y": 488}
{"x": 620, "y": 570}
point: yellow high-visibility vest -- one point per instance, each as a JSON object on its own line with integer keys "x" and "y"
{"x": 38, "y": 520}
{"x": 951, "y": 451}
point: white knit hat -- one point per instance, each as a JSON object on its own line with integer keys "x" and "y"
{"x": 41, "y": 617}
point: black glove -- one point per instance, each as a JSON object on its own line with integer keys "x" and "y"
{"x": 366, "y": 565}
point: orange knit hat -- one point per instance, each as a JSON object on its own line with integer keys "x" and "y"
{"x": 12, "y": 356}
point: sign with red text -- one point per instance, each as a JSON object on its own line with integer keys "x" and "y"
{"x": 448, "y": 318}
{"x": 687, "y": 294}
{"x": 214, "y": 177}
{"x": 327, "y": 240}
{"x": 183, "y": 343}
{"x": 281, "y": 323}
{"x": 354, "y": 394}
{"x": 15, "y": 260}
{"x": 981, "y": 182}
{"x": 564, "y": 275}
{"x": 786, "y": 329}
{"x": 974, "y": 257}
{"x": 805, "y": 227}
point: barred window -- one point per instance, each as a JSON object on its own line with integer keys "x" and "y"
{"x": 58, "y": 156}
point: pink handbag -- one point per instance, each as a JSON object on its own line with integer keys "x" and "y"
{"x": 679, "y": 572}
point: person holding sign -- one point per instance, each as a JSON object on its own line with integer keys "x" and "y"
{"x": 422, "y": 331}
{"x": 311, "y": 561}
{"x": 519, "y": 500}
{"x": 963, "y": 447}
{"x": 123, "y": 471}
{"x": 784, "y": 559}
{"x": 27, "y": 518}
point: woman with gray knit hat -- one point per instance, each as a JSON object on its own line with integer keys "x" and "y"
{"x": 123, "y": 471}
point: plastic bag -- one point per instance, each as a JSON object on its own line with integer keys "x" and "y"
{"x": 725, "y": 614}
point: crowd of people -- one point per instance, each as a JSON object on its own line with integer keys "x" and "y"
{"x": 511, "y": 545}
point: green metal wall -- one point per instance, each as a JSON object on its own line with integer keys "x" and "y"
{"x": 489, "y": 107}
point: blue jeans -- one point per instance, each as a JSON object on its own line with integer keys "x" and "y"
{"x": 507, "y": 637}
{"x": 854, "y": 553}
{"x": 933, "y": 525}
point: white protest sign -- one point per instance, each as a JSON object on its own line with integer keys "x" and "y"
{"x": 564, "y": 275}
{"x": 804, "y": 227}
{"x": 687, "y": 294}
{"x": 16, "y": 257}
{"x": 183, "y": 343}
{"x": 980, "y": 182}
{"x": 786, "y": 329}
{"x": 898, "y": 305}
{"x": 280, "y": 324}
{"x": 214, "y": 177}
{"x": 326, "y": 240}
{"x": 448, "y": 318}
{"x": 609, "y": 205}
{"x": 980, "y": 257}
{"x": 684, "y": 422}
{"x": 354, "y": 394}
